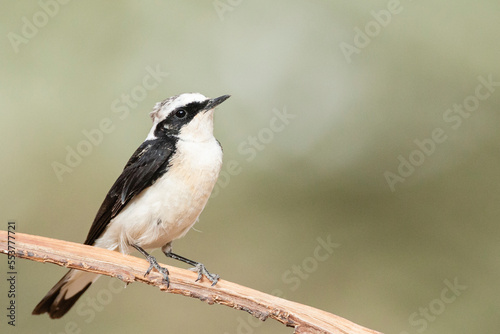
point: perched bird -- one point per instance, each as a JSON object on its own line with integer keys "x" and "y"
{"x": 157, "y": 198}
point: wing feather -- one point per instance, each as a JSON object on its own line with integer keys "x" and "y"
{"x": 149, "y": 162}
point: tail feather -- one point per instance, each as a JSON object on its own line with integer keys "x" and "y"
{"x": 65, "y": 293}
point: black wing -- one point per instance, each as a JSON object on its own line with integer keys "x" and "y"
{"x": 147, "y": 164}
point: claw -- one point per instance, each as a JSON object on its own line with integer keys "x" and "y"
{"x": 154, "y": 264}
{"x": 200, "y": 268}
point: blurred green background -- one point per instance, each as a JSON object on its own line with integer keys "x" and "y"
{"x": 364, "y": 83}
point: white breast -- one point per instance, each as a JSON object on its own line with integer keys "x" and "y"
{"x": 170, "y": 207}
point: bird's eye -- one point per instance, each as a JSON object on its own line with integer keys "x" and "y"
{"x": 181, "y": 113}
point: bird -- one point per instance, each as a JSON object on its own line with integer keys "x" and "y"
{"x": 158, "y": 197}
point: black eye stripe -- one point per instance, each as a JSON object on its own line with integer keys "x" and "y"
{"x": 179, "y": 117}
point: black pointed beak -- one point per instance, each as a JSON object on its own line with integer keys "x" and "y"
{"x": 212, "y": 103}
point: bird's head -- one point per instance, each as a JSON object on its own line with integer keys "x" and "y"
{"x": 188, "y": 116}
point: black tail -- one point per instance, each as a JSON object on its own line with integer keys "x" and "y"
{"x": 73, "y": 284}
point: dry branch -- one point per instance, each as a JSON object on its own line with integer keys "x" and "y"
{"x": 304, "y": 319}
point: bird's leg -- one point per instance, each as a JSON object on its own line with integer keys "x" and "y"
{"x": 154, "y": 264}
{"x": 198, "y": 267}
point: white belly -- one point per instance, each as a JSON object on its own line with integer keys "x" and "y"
{"x": 170, "y": 207}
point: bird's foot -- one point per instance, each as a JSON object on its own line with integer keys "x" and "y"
{"x": 200, "y": 268}
{"x": 162, "y": 270}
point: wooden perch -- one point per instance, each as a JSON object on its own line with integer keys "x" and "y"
{"x": 304, "y": 319}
